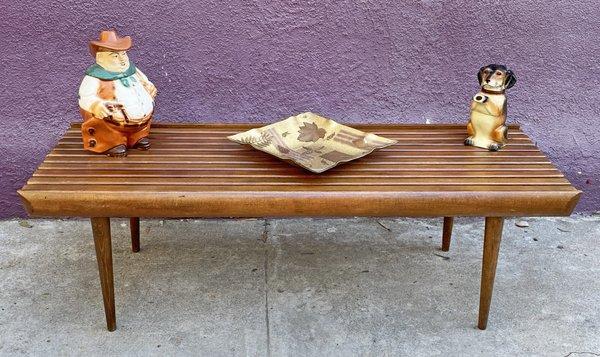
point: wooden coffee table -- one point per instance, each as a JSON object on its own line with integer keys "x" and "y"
{"x": 192, "y": 170}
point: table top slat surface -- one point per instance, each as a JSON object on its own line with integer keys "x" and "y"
{"x": 193, "y": 165}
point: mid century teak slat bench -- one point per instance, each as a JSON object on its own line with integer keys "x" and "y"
{"x": 192, "y": 170}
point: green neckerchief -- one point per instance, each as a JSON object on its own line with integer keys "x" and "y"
{"x": 99, "y": 72}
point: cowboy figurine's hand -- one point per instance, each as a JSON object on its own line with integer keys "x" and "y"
{"x": 104, "y": 109}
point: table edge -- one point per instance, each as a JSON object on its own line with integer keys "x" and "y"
{"x": 300, "y": 204}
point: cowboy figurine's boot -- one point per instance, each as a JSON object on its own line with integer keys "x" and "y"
{"x": 116, "y": 99}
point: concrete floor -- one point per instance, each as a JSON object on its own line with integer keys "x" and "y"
{"x": 306, "y": 287}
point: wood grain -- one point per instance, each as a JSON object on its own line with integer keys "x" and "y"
{"x": 195, "y": 171}
{"x": 102, "y": 241}
{"x": 447, "y": 233}
{"x": 491, "y": 247}
{"x": 134, "y": 227}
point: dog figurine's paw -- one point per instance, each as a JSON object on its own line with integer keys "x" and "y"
{"x": 494, "y": 147}
{"x": 469, "y": 141}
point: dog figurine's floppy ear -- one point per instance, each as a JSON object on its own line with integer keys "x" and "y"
{"x": 511, "y": 79}
{"x": 480, "y": 74}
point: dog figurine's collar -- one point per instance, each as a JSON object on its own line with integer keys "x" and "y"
{"x": 487, "y": 91}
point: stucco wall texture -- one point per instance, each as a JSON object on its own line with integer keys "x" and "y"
{"x": 353, "y": 61}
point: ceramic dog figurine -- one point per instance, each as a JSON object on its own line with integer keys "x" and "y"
{"x": 116, "y": 99}
{"x": 486, "y": 127}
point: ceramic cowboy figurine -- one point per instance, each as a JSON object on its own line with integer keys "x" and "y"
{"x": 486, "y": 127}
{"x": 115, "y": 98}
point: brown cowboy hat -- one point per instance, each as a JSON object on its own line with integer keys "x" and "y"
{"x": 110, "y": 40}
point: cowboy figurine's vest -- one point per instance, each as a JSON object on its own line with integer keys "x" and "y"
{"x": 116, "y": 106}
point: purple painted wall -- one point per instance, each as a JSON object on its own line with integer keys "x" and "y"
{"x": 355, "y": 61}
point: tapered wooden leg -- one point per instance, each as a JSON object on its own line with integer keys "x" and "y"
{"x": 447, "y": 233}
{"x": 491, "y": 247}
{"x": 101, "y": 230}
{"x": 134, "y": 226}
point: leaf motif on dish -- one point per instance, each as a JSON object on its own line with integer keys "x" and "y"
{"x": 337, "y": 156}
{"x": 310, "y": 132}
{"x": 283, "y": 150}
{"x": 262, "y": 141}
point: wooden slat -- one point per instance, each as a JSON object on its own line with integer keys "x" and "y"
{"x": 224, "y": 125}
{"x": 263, "y": 173}
{"x": 294, "y": 170}
{"x": 301, "y": 181}
{"x": 191, "y": 147}
{"x": 382, "y": 155}
{"x": 198, "y": 134}
{"x": 234, "y": 127}
{"x": 279, "y": 164}
{"x": 86, "y": 188}
{"x": 406, "y": 136}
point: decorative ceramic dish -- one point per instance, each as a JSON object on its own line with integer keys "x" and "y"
{"x": 312, "y": 142}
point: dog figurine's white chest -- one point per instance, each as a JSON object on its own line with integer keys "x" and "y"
{"x": 487, "y": 114}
